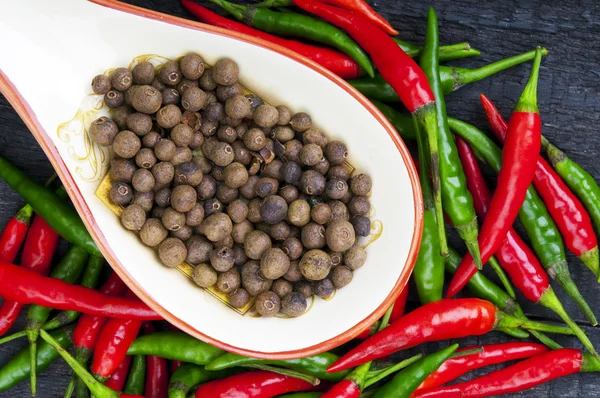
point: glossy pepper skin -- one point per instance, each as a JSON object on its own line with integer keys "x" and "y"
{"x": 157, "y": 372}
{"x": 175, "y": 346}
{"x": 30, "y": 288}
{"x": 137, "y": 376}
{"x": 406, "y": 381}
{"x": 117, "y": 380}
{"x": 539, "y": 226}
{"x": 338, "y": 63}
{"x": 13, "y": 235}
{"x": 567, "y": 211}
{"x": 38, "y": 251}
{"x": 59, "y": 215}
{"x": 361, "y": 7}
{"x": 520, "y": 376}
{"x": 256, "y": 384}
{"x": 189, "y": 375}
{"x": 519, "y": 159}
{"x": 488, "y": 355}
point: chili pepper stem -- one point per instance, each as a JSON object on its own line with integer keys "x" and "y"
{"x": 32, "y": 335}
{"x": 591, "y": 260}
{"x": 70, "y": 388}
{"x": 428, "y": 118}
{"x": 468, "y": 233}
{"x": 549, "y": 299}
{"x": 12, "y": 337}
{"x": 393, "y": 369}
{"x": 545, "y": 340}
{"x": 97, "y": 389}
{"x": 560, "y": 273}
{"x": 590, "y": 363}
{"x": 528, "y": 100}
{"x": 25, "y": 214}
{"x": 504, "y": 320}
{"x": 503, "y": 277}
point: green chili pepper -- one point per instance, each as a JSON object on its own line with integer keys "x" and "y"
{"x": 68, "y": 269}
{"x": 429, "y": 267}
{"x": 299, "y": 25}
{"x": 189, "y": 375}
{"x": 176, "y": 346}
{"x": 18, "y": 367}
{"x": 401, "y": 122}
{"x": 506, "y": 284}
{"x": 456, "y": 198}
{"x": 137, "y": 376}
{"x": 537, "y": 222}
{"x": 315, "y": 365}
{"x": 58, "y": 214}
{"x": 446, "y": 53}
{"x": 406, "y": 382}
{"x": 451, "y": 78}
{"x": 90, "y": 278}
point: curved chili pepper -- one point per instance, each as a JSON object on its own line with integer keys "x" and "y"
{"x": 98, "y": 389}
{"x": 298, "y": 25}
{"x": 117, "y": 380}
{"x": 189, "y": 375}
{"x": 520, "y": 376}
{"x": 491, "y": 354}
{"x": 13, "y": 235}
{"x": 579, "y": 180}
{"x": 113, "y": 343}
{"x": 89, "y": 279}
{"x": 137, "y": 376}
{"x": 314, "y": 365}
{"x": 338, "y": 63}
{"x": 68, "y": 271}
{"x": 440, "y": 320}
{"x": 568, "y": 212}
{"x": 406, "y": 382}
{"x": 60, "y": 216}
{"x": 175, "y": 346}
{"x": 157, "y": 374}
{"x": 519, "y": 158}
{"x": 362, "y": 8}
{"x": 17, "y": 369}
{"x": 257, "y": 384}
{"x": 452, "y": 78}
{"x": 403, "y": 74}
{"x": 38, "y": 250}
{"x": 514, "y": 255}
{"x": 539, "y": 226}
{"x": 30, "y": 288}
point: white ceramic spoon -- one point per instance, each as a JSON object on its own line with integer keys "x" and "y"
{"x": 49, "y": 52}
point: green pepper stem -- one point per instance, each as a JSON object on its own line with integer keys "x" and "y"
{"x": 503, "y": 277}
{"x": 274, "y": 3}
{"x": 12, "y": 337}
{"x": 528, "y": 100}
{"x": 392, "y": 369}
{"x": 33, "y": 363}
{"x": 70, "y": 388}
{"x": 468, "y": 233}
{"x": 590, "y": 363}
{"x": 549, "y": 300}
{"x": 464, "y": 76}
{"x": 516, "y": 333}
{"x": 235, "y": 10}
{"x": 99, "y": 390}
{"x": 428, "y": 119}
{"x": 560, "y": 273}
{"x": 545, "y": 340}
{"x": 286, "y": 372}
{"x": 504, "y": 320}
{"x": 446, "y": 53}
{"x": 24, "y": 214}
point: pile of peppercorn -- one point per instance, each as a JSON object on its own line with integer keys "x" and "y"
{"x": 258, "y": 200}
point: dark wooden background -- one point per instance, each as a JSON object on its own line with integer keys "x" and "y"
{"x": 569, "y": 101}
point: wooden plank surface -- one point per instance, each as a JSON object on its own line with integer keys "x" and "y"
{"x": 569, "y": 93}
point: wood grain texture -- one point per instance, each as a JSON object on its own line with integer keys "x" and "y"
{"x": 569, "y": 101}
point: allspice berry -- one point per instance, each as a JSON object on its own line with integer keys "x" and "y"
{"x": 225, "y": 72}
{"x": 229, "y": 281}
{"x": 315, "y": 265}
{"x": 101, "y": 84}
{"x": 274, "y": 263}
{"x": 172, "y": 252}
{"x": 153, "y": 232}
{"x": 133, "y": 217}
{"x": 183, "y": 198}
{"x": 341, "y": 276}
{"x": 216, "y": 227}
{"x": 192, "y": 66}
{"x": 103, "y": 131}
{"x": 273, "y": 209}
{"x": 236, "y": 175}
{"x": 239, "y": 298}
{"x": 267, "y": 304}
{"x": 252, "y": 279}
{"x": 294, "y": 304}
{"x": 204, "y": 275}
{"x": 355, "y": 257}
{"x": 256, "y": 244}
{"x": 147, "y": 99}
{"x": 361, "y": 184}
{"x": 340, "y": 235}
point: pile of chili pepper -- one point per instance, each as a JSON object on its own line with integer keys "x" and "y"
{"x": 122, "y": 348}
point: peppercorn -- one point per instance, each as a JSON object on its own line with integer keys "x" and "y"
{"x": 339, "y": 211}
{"x": 359, "y": 205}
{"x": 151, "y": 139}
{"x": 204, "y": 275}
{"x": 315, "y": 265}
{"x": 157, "y": 84}
{"x": 237, "y": 106}
{"x": 103, "y": 131}
{"x": 252, "y": 280}
{"x": 336, "y": 258}
{"x": 267, "y": 304}
{"x": 168, "y": 116}
{"x": 121, "y": 170}
{"x": 158, "y": 212}
{"x": 362, "y": 225}
{"x": 153, "y": 232}
{"x": 170, "y": 96}
{"x": 188, "y": 173}
{"x": 165, "y": 149}
{"x": 121, "y": 79}
{"x": 240, "y": 230}
{"x": 193, "y": 99}
{"x": 255, "y": 102}
{"x": 292, "y": 151}
{"x": 237, "y": 211}
{"x": 197, "y": 141}
{"x": 293, "y": 248}
{"x": 274, "y": 263}
{"x": 224, "y": 93}
{"x": 192, "y": 66}
{"x": 172, "y": 219}
{"x": 170, "y": 73}
{"x": 336, "y": 188}
{"x": 340, "y": 235}
{"x": 216, "y": 227}
{"x": 266, "y": 116}
{"x": 144, "y": 199}
{"x": 222, "y": 154}
{"x": 227, "y": 134}
{"x": 121, "y": 194}
{"x": 305, "y": 288}
{"x": 248, "y": 190}
{"x": 299, "y": 212}
{"x": 143, "y": 73}
{"x": 256, "y": 244}
{"x": 101, "y": 84}
{"x": 222, "y": 259}
{"x": 143, "y": 180}
{"x": 313, "y": 236}
{"x": 289, "y": 193}
{"x": 239, "y": 298}
{"x": 198, "y": 249}
{"x": 163, "y": 197}
{"x": 228, "y": 281}
{"x": 254, "y": 211}
{"x": 207, "y": 188}
{"x": 212, "y": 206}
{"x": 183, "y": 198}
{"x": 133, "y": 217}
{"x": 361, "y": 184}
{"x": 273, "y": 209}
{"x": 183, "y": 233}
{"x": 301, "y": 122}
{"x": 195, "y": 215}
{"x": 336, "y": 152}
{"x": 254, "y": 139}
{"x": 293, "y": 304}
{"x": 225, "y": 72}
{"x": 206, "y": 81}
{"x": 312, "y": 182}
{"x": 147, "y": 99}
{"x": 324, "y": 288}
{"x": 119, "y": 116}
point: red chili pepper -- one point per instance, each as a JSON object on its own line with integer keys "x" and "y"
{"x": 397, "y": 313}
{"x": 520, "y": 376}
{"x": 566, "y": 209}
{"x": 515, "y": 257}
{"x": 113, "y": 343}
{"x": 519, "y": 158}
{"x": 362, "y": 8}
{"x": 488, "y": 355}
{"x": 257, "y": 384}
{"x": 117, "y": 380}
{"x": 157, "y": 375}
{"x": 14, "y": 233}
{"x": 440, "y": 320}
{"x": 27, "y": 287}
{"x": 38, "y": 250}
{"x": 338, "y": 63}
